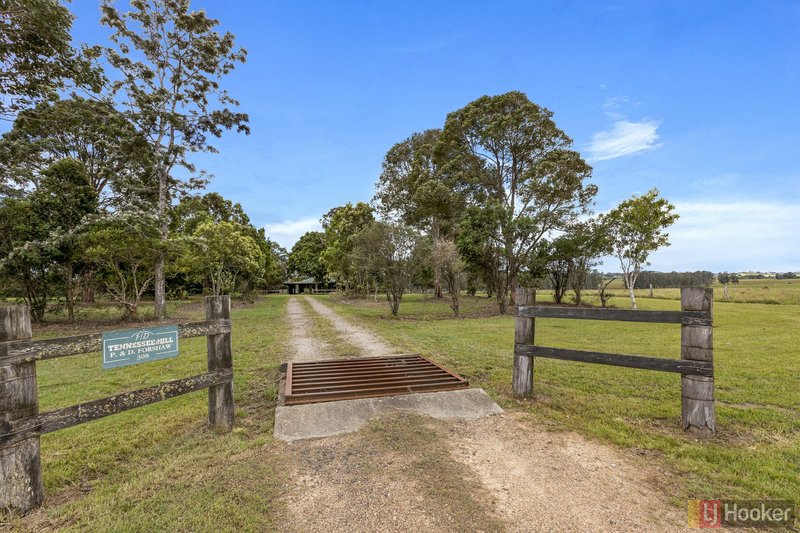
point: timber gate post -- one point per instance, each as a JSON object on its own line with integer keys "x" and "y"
{"x": 220, "y": 356}
{"x": 698, "y": 413}
{"x": 522, "y": 383}
{"x": 20, "y": 464}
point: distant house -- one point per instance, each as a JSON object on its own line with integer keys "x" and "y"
{"x": 308, "y": 285}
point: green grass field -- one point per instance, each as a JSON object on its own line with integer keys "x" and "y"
{"x": 757, "y": 364}
{"x": 159, "y": 468}
{"x": 767, "y": 291}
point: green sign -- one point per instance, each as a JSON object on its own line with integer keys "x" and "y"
{"x": 133, "y": 346}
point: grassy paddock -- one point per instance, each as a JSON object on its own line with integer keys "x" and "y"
{"x": 767, "y": 291}
{"x": 757, "y": 363}
{"x": 159, "y": 467}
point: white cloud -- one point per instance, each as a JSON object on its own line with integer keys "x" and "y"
{"x": 288, "y": 232}
{"x": 624, "y": 138}
{"x": 732, "y": 236}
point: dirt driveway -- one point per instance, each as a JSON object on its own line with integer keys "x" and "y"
{"x": 499, "y": 473}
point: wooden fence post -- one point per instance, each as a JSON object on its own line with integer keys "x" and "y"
{"x": 20, "y": 464}
{"x": 220, "y": 355}
{"x": 698, "y": 413}
{"x": 522, "y": 382}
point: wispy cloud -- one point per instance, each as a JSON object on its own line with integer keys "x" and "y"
{"x": 288, "y": 232}
{"x": 624, "y": 138}
{"x": 732, "y": 236}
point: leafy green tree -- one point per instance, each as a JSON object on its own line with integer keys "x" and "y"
{"x": 412, "y": 188}
{"x": 113, "y": 156}
{"x": 222, "y": 253}
{"x": 395, "y": 253}
{"x": 560, "y": 266}
{"x": 480, "y": 245}
{"x": 40, "y": 233}
{"x": 636, "y": 228}
{"x": 306, "y": 257}
{"x": 170, "y": 61}
{"x": 64, "y": 202}
{"x": 452, "y": 269}
{"x": 25, "y": 263}
{"x": 341, "y": 224}
{"x": 277, "y": 268}
{"x": 192, "y": 211}
{"x": 513, "y": 159}
{"x": 123, "y": 251}
{"x": 587, "y": 243}
{"x": 37, "y": 55}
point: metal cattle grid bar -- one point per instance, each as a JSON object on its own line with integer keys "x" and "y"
{"x": 366, "y": 377}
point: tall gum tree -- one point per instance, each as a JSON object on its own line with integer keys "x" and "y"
{"x": 412, "y": 188}
{"x": 170, "y": 60}
{"x": 513, "y": 159}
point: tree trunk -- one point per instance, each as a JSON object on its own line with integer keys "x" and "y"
{"x": 87, "y": 287}
{"x": 160, "y": 280}
{"x": 437, "y": 266}
{"x": 500, "y": 295}
{"x": 69, "y": 291}
{"x": 160, "y": 289}
{"x": 630, "y": 280}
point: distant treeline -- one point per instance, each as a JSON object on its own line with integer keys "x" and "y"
{"x": 670, "y": 280}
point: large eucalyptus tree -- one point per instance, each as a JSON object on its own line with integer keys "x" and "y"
{"x": 170, "y": 61}
{"x": 508, "y": 153}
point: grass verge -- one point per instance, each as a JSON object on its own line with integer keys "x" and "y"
{"x": 159, "y": 467}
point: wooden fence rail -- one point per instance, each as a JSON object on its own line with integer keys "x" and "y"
{"x": 21, "y": 424}
{"x": 696, "y": 364}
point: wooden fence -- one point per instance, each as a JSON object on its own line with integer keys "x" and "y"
{"x": 21, "y": 424}
{"x": 696, "y": 365}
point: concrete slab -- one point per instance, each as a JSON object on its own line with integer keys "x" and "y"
{"x": 297, "y": 422}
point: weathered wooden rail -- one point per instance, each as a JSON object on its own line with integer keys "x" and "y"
{"x": 696, "y": 365}
{"x": 21, "y": 424}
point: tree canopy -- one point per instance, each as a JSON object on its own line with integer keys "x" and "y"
{"x": 516, "y": 164}
{"x": 341, "y": 224}
{"x": 37, "y": 54}
{"x": 305, "y": 258}
{"x": 636, "y": 228}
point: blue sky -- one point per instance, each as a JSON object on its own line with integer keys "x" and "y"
{"x": 699, "y": 99}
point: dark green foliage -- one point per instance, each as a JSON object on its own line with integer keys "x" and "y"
{"x": 517, "y": 167}
{"x": 413, "y": 189}
{"x": 305, "y": 260}
{"x": 636, "y": 228}
{"x": 41, "y": 235}
{"x": 114, "y": 157}
{"x": 341, "y": 224}
{"x": 193, "y": 211}
{"x": 392, "y": 255}
{"x": 37, "y": 56}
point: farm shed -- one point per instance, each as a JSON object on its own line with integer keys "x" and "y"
{"x": 308, "y": 285}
